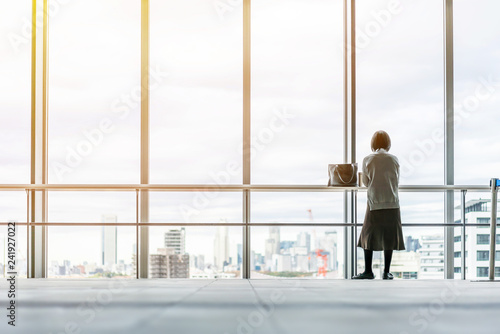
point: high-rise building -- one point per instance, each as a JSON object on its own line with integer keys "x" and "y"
{"x": 304, "y": 240}
{"x": 432, "y": 256}
{"x": 272, "y": 245}
{"x": 404, "y": 265}
{"x": 221, "y": 248}
{"x": 171, "y": 261}
{"x": 109, "y": 241}
{"x": 176, "y": 239}
{"x": 281, "y": 262}
{"x": 158, "y": 266}
{"x": 411, "y": 244}
{"x": 167, "y": 264}
{"x": 197, "y": 262}
{"x": 477, "y": 242}
{"x": 239, "y": 260}
{"x": 178, "y": 266}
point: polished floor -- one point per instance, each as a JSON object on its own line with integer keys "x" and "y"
{"x": 253, "y": 306}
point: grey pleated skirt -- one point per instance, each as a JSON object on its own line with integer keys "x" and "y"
{"x": 382, "y": 230}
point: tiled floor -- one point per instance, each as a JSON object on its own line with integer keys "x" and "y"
{"x": 254, "y": 306}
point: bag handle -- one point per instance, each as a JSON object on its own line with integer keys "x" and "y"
{"x": 340, "y": 177}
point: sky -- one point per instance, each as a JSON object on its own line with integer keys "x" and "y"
{"x": 196, "y": 107}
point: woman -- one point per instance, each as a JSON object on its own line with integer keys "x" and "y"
{"x": 382, "y": 228}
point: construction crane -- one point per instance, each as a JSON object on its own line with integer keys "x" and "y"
{"x": 321, "y": 257}
{"x": 321, "y": 261}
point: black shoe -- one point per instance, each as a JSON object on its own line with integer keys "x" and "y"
{"x": 364, "y": 275}
{"x": 387, "y": 276}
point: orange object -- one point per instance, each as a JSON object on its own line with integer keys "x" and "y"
{"x": 323, "y": 258}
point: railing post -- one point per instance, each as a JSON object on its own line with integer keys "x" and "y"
{"x": 137, "y": 233}
{"x": 464, "y": 248}
{"x": 246, "y": 265}
{"x": 28, "y": 220}
{"x": 355, "y": 222}
{"x": 493, "y": 229}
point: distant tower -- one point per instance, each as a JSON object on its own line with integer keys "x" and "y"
{"x": 329, "y": 244}
{"x": 304, "y": 240}
{"x": 272, "y": 246}
{"x": 221, "y": 247}
{"x": 108, "y": 241}
{"x": 274, "y": 234}
{"x": 239, "y": 260}
{"x": 176, "y": 239}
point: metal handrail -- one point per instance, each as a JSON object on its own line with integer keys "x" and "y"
{"x": 236, "y": 187}
{"x": 246, "y": 189}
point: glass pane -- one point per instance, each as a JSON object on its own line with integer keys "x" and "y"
{"x": 418, "y": 208}
{"x": 400, "y": 83}
{"x": 92, "y": 207}
{"x": 21, "y": 251}
{"x": 15, "y": 92}
{"x": 297, "y": 94}
{"x": 91, "y": 252}
{"x": 13, "y": 209}
{"x": 297, "y": 252}
{"x": 196, "y": 104}
{"x": 423, "y": 257}
{"x": 477, "y": 93}
{"x": 297, "y": 208}
{"x": 195, "y": 207}
{"x": 94, "y": 92}
{"x": 195, "y": 252}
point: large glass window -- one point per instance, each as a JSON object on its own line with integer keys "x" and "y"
{"x": 417, "y": 208}
{"x": 91, "y": 252}
{"x": 94, "y": 92}
{"x": 297, "y": 208}
{"x": 15, "y": 92}
{"x": 100, "y": 251}
{"x": 196, "y": 207}
{"x": 399, "y": 46}
{"x": 196, "y": 93}
{"x": 91, "y": 207}
{"x": 195, "y": 252}
{"x": 13, "y": 209}
{"x": 477, "y": 90}
{"x": 297, "y": 252}
{"x": 423, "y": 257}
{"x": 296, "y": 90}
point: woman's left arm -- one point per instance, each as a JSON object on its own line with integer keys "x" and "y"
{"x": 366, "y": 179}
{"x": 397, "y": 168}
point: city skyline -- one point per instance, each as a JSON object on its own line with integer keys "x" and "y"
{"x": 297, "y": 244}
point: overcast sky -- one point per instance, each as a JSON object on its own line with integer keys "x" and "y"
{"x": 196, "y": 106}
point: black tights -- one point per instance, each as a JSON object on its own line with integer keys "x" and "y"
{"x": 369, "y": 258}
